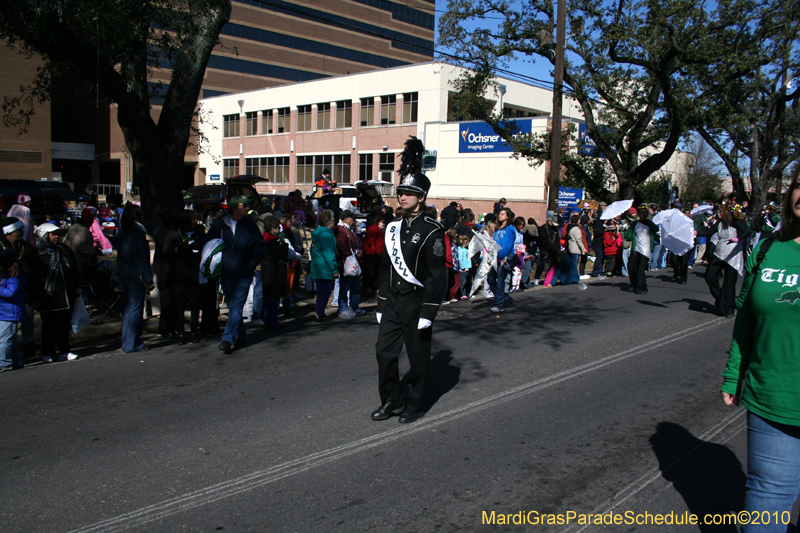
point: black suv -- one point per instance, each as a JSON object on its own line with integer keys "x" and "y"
{"x": 209, "y": 199}
{"x": 42, "y": 204}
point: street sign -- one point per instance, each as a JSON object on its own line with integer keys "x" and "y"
{"x": 429, "y": 160}
{"x": 569, "y": 198}
{"x": 213, "y": 177}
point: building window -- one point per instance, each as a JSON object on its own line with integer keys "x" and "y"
{"x": 341, "y": 168}
{"x": 367, "y": 111}
{"x": 344, "y": 114}
{"x": 283, "y": 120}
{"x": 386, "y": 167}
{"x": 279, "y": 171}
{"x": 230, "y": 126}
{"x": 230, "y": 168}
{"x": 410, "y": 106}
{"x": 324, "y": 116}
{"x": 275, "y": 169}
{"x": 304, "y": 118}
{"x": 311, "y": 166}
{"x": 388, "y": 109}
{"x": 266, "y": 121}
{"x": 365, "y": 167}
{"x": 251, "y": 123}
{"x": 305, "y": 169}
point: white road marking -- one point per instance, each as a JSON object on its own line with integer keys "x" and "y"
{"x": 260, "y": 478}
{"x": 654, "y": 474}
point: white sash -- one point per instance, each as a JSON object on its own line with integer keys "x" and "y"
{"x": 392, "y": 241}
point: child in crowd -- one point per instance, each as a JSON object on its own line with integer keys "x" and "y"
{"x": 12, "y": 310}
{"x": 453, "y": 267}
{"x": 612, "y": 241}
{"x": 519, "y": 262}
{"x": 464, "y": 263}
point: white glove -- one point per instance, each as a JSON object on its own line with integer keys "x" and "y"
{"x": 424, "y": 323}
{"x": 378, "y": 316}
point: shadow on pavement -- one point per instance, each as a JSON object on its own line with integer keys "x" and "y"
{"x": 445, "y": 377}
{"x": 651, "y": 304}
{"x": 708, "y": 476}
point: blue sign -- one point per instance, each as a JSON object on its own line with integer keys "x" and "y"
{"x": 475, "y": 137}
{"x": 569, "y": 198}
{"x": 586, "y": 146}
{"x": 214, "y": 177}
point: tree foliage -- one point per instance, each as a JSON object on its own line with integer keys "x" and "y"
{"x": 133, "y": 50}
{"x": 750, "y": 108}
{"x": 624, "y": 67}
{"x": 705, "y": 178}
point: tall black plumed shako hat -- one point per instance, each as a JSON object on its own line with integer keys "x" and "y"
{"x": 411, "y": 177}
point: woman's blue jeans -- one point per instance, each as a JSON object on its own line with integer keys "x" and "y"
{"x": 133, "y": 293}
{"x": 773, "y": 473}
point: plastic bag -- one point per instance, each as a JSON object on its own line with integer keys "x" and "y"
{"x": 351, "y": 266}
{"x": 80, "y": 318}
{"x": 347, "y": 313}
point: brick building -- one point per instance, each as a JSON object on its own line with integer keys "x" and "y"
{"x": 356, "y": 125}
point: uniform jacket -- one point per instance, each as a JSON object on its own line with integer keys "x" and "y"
{"x": 422, "y": 245}
{"x": 243, "y": 251}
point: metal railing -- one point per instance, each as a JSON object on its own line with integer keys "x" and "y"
{"x": 107, "y": 188}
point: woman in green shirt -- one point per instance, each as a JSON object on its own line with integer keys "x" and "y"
{"x": 763, "y": 371}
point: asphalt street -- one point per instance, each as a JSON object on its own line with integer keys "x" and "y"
{"x": 597, "y": 401}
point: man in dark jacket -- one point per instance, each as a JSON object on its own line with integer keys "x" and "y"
{"x": 598, "y": 232}
{"x": 449, "y": 215}
{"x": 244, "y": 250}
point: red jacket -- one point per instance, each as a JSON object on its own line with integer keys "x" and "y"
{"x": 611, "y": 242}
{"x": 373, "y": 242}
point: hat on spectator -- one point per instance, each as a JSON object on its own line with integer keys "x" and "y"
{"x": 11, "y": 224}
{"x": 633, "y": 211}
{"x": 7, "y": 258}
{"x": 49, "y": 228}
{"x": 239, "y": 199}
{"x": 22, "y": 198}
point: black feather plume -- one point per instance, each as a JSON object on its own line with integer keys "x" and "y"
{"x": 411, "y": 158}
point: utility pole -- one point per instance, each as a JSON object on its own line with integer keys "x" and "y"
{"x": 555, "y": 131}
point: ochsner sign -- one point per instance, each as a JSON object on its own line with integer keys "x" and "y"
{"x": 480, "y": 137}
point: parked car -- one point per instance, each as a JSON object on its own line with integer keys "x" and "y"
{"x": 42, "y": 205}
{"x": 75, "y": 202}
{"x": 209, "y": 199}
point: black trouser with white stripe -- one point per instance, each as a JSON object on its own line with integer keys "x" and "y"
{"x": 399, "y": 326}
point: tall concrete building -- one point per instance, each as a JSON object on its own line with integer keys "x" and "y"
{"x": 265, "y": 44}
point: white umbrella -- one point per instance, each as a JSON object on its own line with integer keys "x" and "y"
{"x": 701, "y": 209}
{"x": 616, "y": 209}
{"x": 677, "y": 231}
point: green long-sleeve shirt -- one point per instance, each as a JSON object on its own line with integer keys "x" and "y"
{"x": 766, "y": 337}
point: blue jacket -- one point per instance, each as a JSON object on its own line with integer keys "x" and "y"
{"x": 464, "y": 262}
{"x": 243, "y": 251}
{"x": 506, "y": 238}
{"x": 12, "y": 299}
{"x": 133, "y": 255}
{"x": 566, "y": 272}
